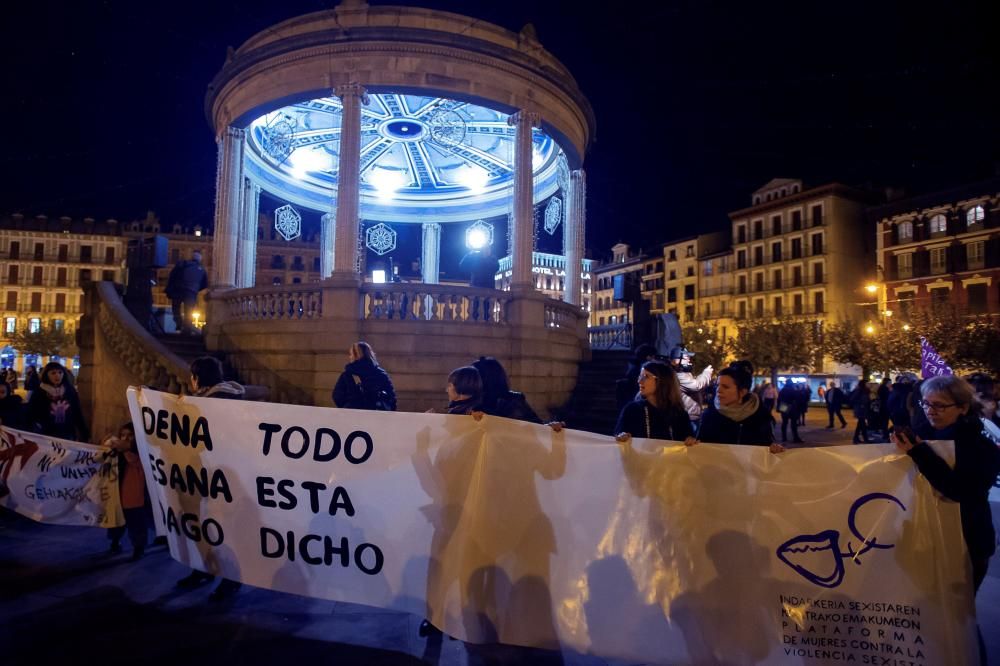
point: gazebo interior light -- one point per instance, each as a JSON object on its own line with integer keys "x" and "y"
{"x": 386, "y": 181}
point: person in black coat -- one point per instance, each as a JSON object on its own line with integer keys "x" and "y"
{"x": 834, "y": 398}
{"x": 498, "y": 399}
{"x": 658, "y": 412}
{"x": 953, "y": 413}
{"x": 54, "y": 409}
{"x": 10, "y": 407}
{"x": 737, "y": 416}
{"x": 789, "y": 404}
{"x": 860, "y": 401}
{"x": 364, "y": 384}
{"x": 896, "y": 404}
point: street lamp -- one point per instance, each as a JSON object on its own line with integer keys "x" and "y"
{"x": 871, "y": 288}
{"x": 869, "y": 329}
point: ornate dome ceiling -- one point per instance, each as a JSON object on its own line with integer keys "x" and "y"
{"x": 422, "y": 158}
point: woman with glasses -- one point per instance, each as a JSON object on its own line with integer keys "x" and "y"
{"x": 657, "y": 412}
{"x": 953, "y": 414}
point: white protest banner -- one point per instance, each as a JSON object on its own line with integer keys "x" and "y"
{"x": 58, "y": 481}
{"x": 499, "y": 530}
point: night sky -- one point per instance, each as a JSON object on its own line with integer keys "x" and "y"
{"x": 697, "y": 103}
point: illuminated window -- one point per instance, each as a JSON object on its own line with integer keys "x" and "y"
{"x": 939, "y": 260}
{"x": 939, "y": 224}
{"x": 904, "y": 265}
{"x": 34, "y": 325}
{"x": 10, "y": 325}
{"x": 974, "y": 253}
{"x": 905, "y": 231}
{"x": 974, "y": 215}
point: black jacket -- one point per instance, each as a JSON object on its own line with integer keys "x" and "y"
{"x": 11, "y": 412}
{"x": 374, "y": 390}
{"x": 512, "y": 405}
{"x": 673, "y": 424}
{"x": 790, "y": 397}
{"x": 719, "y": 429}
{"x": 977, "y": 463}
{"x": 186, "y": 279}
{"x": 62, "y": 417}
{"x": 834, "y": 398}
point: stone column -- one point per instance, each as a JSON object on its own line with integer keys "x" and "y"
{"x": 522, "y": 231}
{"x": 430, "y": 260}
{"x": 574, "y": 235}
{"x": 327, "y": 234}
{"x": 345, "y": 254}
{"x": 246, "y": 255}
{"x": 228, "y": 206}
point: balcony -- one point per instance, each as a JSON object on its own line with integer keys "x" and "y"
{"x": 789, "y": 311}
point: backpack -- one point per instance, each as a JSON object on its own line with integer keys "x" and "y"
{"x": 379, "y": 400}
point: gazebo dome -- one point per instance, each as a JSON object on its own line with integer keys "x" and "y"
{"x": 435, "y": 137}
{"x": 421, "y": 157}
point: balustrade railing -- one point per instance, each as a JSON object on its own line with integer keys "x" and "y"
{"x": 433, "y": 302}
{"x": 615, "y": 336}
{"x": 276, "y": 303}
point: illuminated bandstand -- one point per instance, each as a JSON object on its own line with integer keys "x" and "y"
{"x": 396, "y": 116}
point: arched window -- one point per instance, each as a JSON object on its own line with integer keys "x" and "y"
{"x": 905, "y": 232}
{"x": 939, "y": 225}
{"x": 974, "y": 215}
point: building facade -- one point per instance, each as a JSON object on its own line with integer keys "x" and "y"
{"x": 46, "y": 262}
{"x": 942, "y": 247}
{"x": 550, "y": 276}
{"x": 803, "y": 253}
{"x": 681, "y": 279}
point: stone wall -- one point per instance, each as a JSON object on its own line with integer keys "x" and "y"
{"x": 299, "y": 352}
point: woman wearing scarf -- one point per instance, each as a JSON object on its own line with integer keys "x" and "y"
{"x": 736, "y": 416}
{"x": 54, "y": 409}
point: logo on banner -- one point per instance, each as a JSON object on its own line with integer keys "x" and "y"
{"x": 818, "y": 558}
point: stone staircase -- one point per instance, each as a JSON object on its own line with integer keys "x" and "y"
{"x": 190, "y": 347}
{"x": 592, "y": 406}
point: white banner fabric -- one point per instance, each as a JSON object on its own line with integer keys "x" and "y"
{"x": 506, "y": 531}
{"x": 58, "y": 481}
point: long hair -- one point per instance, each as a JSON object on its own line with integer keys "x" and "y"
{"x": 364, "y": 350}
{"x": 55, "y": 365}
{"x": 494, "y": 378}
{"x": 668, "y": 389}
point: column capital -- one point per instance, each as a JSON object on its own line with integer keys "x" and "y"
{"x": 351, "y": 90}
{"x": 236, "y": 133}
{"x": 431, "y": 225}
{"x": 531, "y": 118}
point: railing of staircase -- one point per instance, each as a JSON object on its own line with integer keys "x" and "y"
{"x": 135, "y": 347}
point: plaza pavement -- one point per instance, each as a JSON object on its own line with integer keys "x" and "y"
{"x": 64, "y": 599}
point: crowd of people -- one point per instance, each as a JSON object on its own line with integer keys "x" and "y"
{"x": 659, "y": 398}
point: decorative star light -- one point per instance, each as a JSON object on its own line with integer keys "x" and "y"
{"x": 277, "y": 137}
{"x": 448, "y": 127}
{"x": 288, "y": 222}
{"x": 479, "y": 234}
{"x": 563, "y": 172}
{"x": 553, "y": 215}
{"x": 380, "y": 238}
